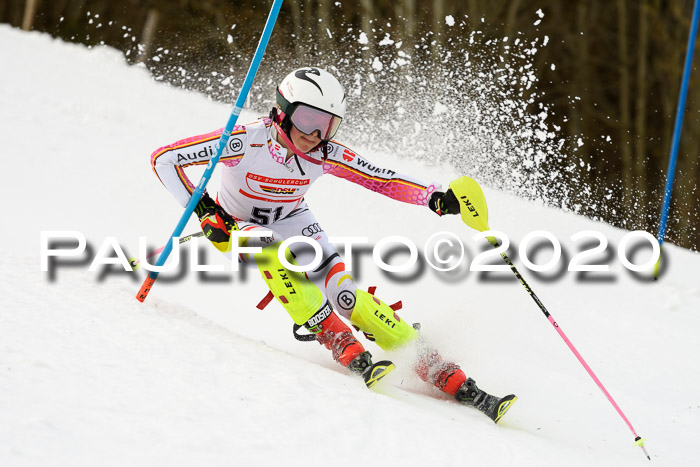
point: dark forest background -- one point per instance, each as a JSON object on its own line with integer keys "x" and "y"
{"x": 597, "y": 82}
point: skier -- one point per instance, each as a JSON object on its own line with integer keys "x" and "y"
{"x": 269, "y": 165}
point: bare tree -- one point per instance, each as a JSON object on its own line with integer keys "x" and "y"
{"x": 325, "y": 25}
{"x": 367, "y": 14}
{"x": 148, "y": 34}
{"x": 29, "y": 14}
{"x": 641, "y": 101}
{"x": 624, "y": 99}
{"x": 438, "y": 25}
{"x": 406, "y": 10}
{"x": 297, "y": 28}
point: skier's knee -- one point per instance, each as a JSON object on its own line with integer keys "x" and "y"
{"x": 342, "y": 292}
{"x": 380, "y": 322}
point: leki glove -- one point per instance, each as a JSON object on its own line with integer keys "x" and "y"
{"x": 216, "y": 223}
{"x": 443, "y": 203}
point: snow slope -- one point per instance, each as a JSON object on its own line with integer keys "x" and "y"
{"x": 198, "y": 375}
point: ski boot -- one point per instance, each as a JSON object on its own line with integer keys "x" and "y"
{"x": 492, "y": 406}
{"x": 444, "y": 375}
{"x": 336, "y": 336}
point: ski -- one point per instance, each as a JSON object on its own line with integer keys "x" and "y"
{"x": 492, "y": 406}
{"x": 501, "y": 407}
{"x": 377, "y": 371}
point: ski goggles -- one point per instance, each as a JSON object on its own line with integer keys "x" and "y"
{"x": 309, "y": 120}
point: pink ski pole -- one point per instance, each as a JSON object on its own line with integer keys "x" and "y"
{"x": 637, "y": 439}
{"x": 474, "y": 213}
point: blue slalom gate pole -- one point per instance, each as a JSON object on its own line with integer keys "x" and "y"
{"x": 199, "y": 191}
{"x": 678, "y": 126}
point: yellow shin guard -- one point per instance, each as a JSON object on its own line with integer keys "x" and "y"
{"x": 380, "y": 322}
{"x": 297, "y": 294}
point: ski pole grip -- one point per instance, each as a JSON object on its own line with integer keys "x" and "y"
{"x": 145, "y": 288}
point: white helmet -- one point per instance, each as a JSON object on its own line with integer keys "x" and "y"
{"x": 312, "y": 100}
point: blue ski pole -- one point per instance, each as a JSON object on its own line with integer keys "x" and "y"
{"x": 675, "y": 143}
{"x": 199, "y": 191}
